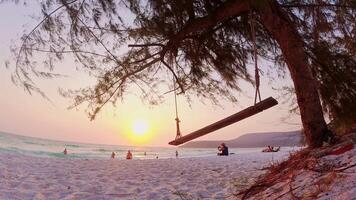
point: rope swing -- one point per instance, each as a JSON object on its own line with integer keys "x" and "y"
{"x": 178, "y": 134}
{"x": 257, "y": 73}
{"x": 250, "y": 111}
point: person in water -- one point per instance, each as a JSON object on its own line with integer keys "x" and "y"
{"x": 176, "y": 154}
{"x": 129, "y": 155}
{"x": 65, "y": 151}
{"x": 223, "y": 150}
{"x": 113, "y": 155}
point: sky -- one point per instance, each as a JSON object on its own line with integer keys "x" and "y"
{"x": 126, "y": 123}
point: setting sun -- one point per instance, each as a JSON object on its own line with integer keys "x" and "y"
{"x": 140, "y": 127}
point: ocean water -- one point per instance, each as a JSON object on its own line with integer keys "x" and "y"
{"x": 11, "y": 143}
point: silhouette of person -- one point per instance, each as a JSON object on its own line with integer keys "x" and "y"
{"x": 113, "y": 155}
{"x": 176, "y": 154}
{"x": 65, "y": 151}
{"x": 224, "y": 150}
{"x": 129, "y": 155}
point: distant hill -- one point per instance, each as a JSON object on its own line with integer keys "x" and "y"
{"x": 291, "y": 138}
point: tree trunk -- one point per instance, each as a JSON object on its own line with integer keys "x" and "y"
{"x": 291, "y": 44}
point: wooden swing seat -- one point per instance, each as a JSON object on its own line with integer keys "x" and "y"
{"x": 252, "y": 110}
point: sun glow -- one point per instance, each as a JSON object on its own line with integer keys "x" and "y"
{"x": 140, "y": 127}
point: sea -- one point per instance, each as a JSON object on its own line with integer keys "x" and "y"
{"x": 31, "y": 146}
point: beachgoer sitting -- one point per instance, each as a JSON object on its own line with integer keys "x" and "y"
{"x": 113, "y": 155}
{"x": 224, "y": 150}
{"x": 65, "y": 151}
{"x": 267, "y": 149}
{"x": 276, "y": 149}
{"x": 129, "y": 155}
{"x": 271, "y": 149}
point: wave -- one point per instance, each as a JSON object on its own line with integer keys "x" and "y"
{"x": 72, "y": 145}
{"x": 9, "y": 150}
{"x": 110, "y": 150}
{"x": 103, "y": 150}
{"x": 34, "y": 143}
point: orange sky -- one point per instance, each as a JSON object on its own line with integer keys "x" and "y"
{"x": 34, "y": 116}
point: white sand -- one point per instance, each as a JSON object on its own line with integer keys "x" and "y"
{"x": 25, "y": 177}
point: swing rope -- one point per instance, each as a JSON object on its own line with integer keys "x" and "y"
{"x": 178, "y": 134}
{"x": 257, "y": 73}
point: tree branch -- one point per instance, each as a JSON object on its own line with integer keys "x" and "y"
{"x": 97, "y": 39}
{"x": 66, "y": 51}
{"x": 145, "y": 45}
{"x": 143, "y": 59}
{"x": 122, "y": 79}
{"x": 174, "y": 74}
{"x": 92, "y": 117}
{"x": 315, "y": 5}
{"x": 33, "y": 30}
{"x": 224, "y": 12}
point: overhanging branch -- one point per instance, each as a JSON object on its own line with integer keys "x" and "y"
{"x": 145, "y": 45}
{"x": 174, "y": 74}
{"x": 315, "y": 5}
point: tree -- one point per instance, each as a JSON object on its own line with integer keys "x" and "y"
{"x": 205, "y": 44}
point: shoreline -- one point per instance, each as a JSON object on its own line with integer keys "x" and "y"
{"x": 29, "y": 177}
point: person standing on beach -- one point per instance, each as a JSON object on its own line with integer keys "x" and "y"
{"x": 65, "y": 151}
{"x": 113, "y": 155}
{"x": 129, "y": 155}
{"x": 176, "y": 154}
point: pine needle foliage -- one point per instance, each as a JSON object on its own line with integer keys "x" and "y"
{"x": 205, "y": 62}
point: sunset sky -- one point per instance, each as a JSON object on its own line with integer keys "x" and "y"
{"x": 129, "y": 123}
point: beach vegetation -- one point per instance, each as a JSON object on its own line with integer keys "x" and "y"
{"x": 306, "y": 174}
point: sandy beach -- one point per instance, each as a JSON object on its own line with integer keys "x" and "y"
{"x": 27, "y": 177}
